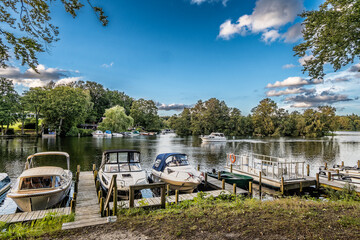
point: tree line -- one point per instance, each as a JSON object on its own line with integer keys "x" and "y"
{"x": 266, "y": 119}
{"x": 64, "y": 107}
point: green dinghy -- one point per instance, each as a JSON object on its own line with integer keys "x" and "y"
{"x": 241, "y": 181}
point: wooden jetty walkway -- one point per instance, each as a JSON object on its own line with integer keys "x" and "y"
{"x": 217, "y": 184}
{"x": 34, "y": 215}
{"x": 87, "y": 210}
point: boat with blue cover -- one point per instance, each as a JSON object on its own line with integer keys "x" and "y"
{"x": 240, "y": 180}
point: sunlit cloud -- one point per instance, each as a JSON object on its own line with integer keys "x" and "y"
{"x": 173, "y": 106}
{"x": 294, "y": 82}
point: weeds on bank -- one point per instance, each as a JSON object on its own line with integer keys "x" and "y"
{"x": 346, "y": 194}
{"x": 51, "y": 222}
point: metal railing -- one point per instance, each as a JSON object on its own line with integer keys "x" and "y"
{"x": 270, "y": 167}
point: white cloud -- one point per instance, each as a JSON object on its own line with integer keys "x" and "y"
{"x": 198, "y": 2}
{"x": 288, "y": 91}
{"x": 268, "y": 15}
{"x": 293, "y": 82}
{"x": 107, "y": 65}
{"x": 173, "y": 106}
{"x": 287, "y": 66}
{"x": 270, "y": 36}
{"x": 68, "y": 80}
{"x": 293, "y": 34}
{"x": 305, "y": 58}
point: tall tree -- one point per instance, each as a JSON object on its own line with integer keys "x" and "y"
{"x": 33, "y": 100}
{"x": 116, "y": 120}
{"x": 144, "y": 112}
{"x": 331, "y": 35}
{"x": 9, "y": 102}
{"x": 27, "y": 29}
{"x": 264, "y": 117}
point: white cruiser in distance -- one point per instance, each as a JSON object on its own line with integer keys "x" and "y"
{"x": 175, "y": 170}
{"x": 214, "y": 137}
{"x": 39, "y": 188}
{"x": 126, "y": 165}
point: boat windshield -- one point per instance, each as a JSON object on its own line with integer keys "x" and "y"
{"x": 177, "y": 160}
{"x": 122, "y": 167}
{"x": 123, "y": 157}
{"x": 40, "y": 182}
{"x": 4, "y": 182}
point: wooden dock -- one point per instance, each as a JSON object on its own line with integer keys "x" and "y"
{"x": 34, "y": 215}
{"x": 87, "y": 210}
{"x": 337, "y": 184}
{"x": 217, "y": 184}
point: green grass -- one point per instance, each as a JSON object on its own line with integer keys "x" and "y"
{"x": 50, "y": 223}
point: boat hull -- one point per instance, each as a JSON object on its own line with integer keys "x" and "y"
{"x": 213, "y": 139}
{"x": 183, "y": 186}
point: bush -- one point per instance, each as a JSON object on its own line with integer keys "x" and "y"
{"x": 10, "y": 131}
{"x": 85, "y": 132}
{"x": 73, "y": 132}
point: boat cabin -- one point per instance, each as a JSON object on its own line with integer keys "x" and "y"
{"x": 216, "y": 135}
{"x": 170, "y": 160}
{"x": 114, "y": 161}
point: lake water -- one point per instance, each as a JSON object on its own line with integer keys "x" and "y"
{"x": 345, "y": 146}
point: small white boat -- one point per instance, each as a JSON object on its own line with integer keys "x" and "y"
{"x": 5, "y": 183}
{"x": 107, "y": 134}
{"x": 117, "y": 135}
{"x": 98, "y": 133}
{"x": 214, "y": 137}
{"x": 126, "y": 165}
{"x": 174, "y": 169}
{"x": 39, "y": 188}
{"x": 134, "y": 134}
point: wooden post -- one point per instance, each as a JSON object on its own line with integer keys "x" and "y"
{"x": 115, "y": 201}
{"x": 250, "y": 189}
{"x": 282, "y": 186}
{"x": 163, "y": 197}
{"x": 176, "y": 196}
{"x": 167, "y": 189}
{"x": 234, "y": 188}
{"x": 308, "y": 170}
{"x": 260, "y": 184}
{"x": 74, "y": 196}
{"x": 72, "y": 206}
{"x": 99, "y": 195}
{"x": 76, "y": 185}
{"x": 102, "y": 206}
{"x": 206, "y": 179}
{"x": 223, "y": 184}
{"x": 107, "y": 210}
{"x": 342, "y": 163}
{"x": 326, "y": 166}
{"x": 97, "y": 185}
{"x": 77, "y": 176}
{"x": 96, "y": 173}
{"x": 317, "y": 181}
{"x": 198, "y": 168}
{"x": 231, "y": 167}
{"x": 358, "y": 164}
{"x": 301, "y": 187}
{"x": 131, "y": 197}
{"x": 219, "y": 177}
{"x": 329, "y": 176}
{"x": 94, "y": 167}
{"x": 78, "y": 168}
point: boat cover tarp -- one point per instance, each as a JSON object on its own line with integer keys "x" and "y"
{"x": 160, "y": 160}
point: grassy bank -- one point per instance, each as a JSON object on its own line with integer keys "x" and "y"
{"x": 236, "y": 218}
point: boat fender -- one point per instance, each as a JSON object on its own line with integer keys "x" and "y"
{"x": 232, "y": 158}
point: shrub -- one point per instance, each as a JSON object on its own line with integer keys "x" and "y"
{"x": 73, "y": 132}
{"x": 85, "y": 132}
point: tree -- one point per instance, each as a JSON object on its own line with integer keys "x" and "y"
{"x": 116, "y": 120}
{"x": 9, "y": 102}
{"x": 331, "y": 34}
{"x": 33, "y": 100}
{"x": 66, "y": 107}
{"x": 264, "y": 117}
{"x": 182, "y": 123}
{"x": 27, "y": 28}
{"x": 144, "y": 113}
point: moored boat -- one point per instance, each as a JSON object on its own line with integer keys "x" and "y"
{"x": 214, "y": 137}
{"x": 174, "y": 169}
{"x": 126, "y": 165}
{"x": 38, "y": 188}
{"x": 241, "y": 181}
{"x": 107, "y": 134}
{"x": 98, "y": 133}
{"x": 5, "y": 183}
{"x": 117, "y": 135}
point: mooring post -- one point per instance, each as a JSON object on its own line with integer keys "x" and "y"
{"x": 115, "y": 201}
{"x": 301, "y": 187}
{"x": 78, "y": 168}
{"x": 95, "y": 174}
{"x": 107, "y": 210}
{"x": 223, "y": 184}
{"x": 167, "y": 189}
{"x": 260, "y": 184}
{"x": 326, "y": 166}
{"x": 219, "y": 176}
{"x": 231, "y": 167}
{"x": 131, "y": 197}
{"x": 317, "y": 181}
{"x": 342, "y": 163}
{"x": 163, "y": 194}
{"x": 72, "y": 206}
{"x": 176, "y": 196}
{"x": 358, "y": 164}
{"x": 308, "y": 170}
{"x": 99, "y": 195}
{"x": 77, "y": 176}
{"x": 282, "y": 186}
{"x": 234, "y": 188}
{"x": 250, "y": 189}
{"x": 102, "y": 206}
{"x": 97, "y": 184}
{"x": 94, "y": 167}
{"x": 198, "y": 167}
{"x": 74, "y": 196}
{"x": 329, "y": 176}
{"x": 206, "y": 179}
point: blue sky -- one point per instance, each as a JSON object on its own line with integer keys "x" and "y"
{"x": 176, "y": 52}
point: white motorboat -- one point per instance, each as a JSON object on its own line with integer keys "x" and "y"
{"x": 174, "y": 169}
{"x": 107, "y": 134}
{"x": 214, "y": 137}
{"x": 38, "y": 188}
{"x": 5, "y": 183}
{"x": 98, "y": 133}
{"x": 126, "y": 165}
{"x": 117, "y": 135}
